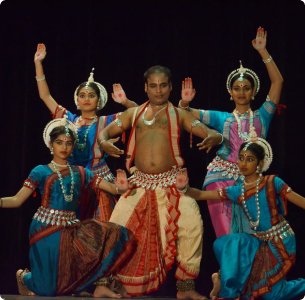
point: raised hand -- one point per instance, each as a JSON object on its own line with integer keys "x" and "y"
{"x": 187, "y": 92}
{"x": 118, "y": 94}
{"x": 41, "y": 52}
{"x": 121, "y": 181}
{"x": 182, "y": 180}
{"x": 260, "y": 40}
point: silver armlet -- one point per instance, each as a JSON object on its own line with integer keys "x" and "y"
{"x": 195, "y": 123}
{"x": 118, "y": 123}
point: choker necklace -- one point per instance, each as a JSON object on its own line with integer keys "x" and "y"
{"x": 89, "y": 118}
{"x": 79, "y": 145}
{"x": 249, "y": 183}
{"x": 67, "y": 198}
{"x": 245, "y": 135}
{"x": 153, "y": 120}
{"x": 253, "y": 224}
{"x": 59, "y": 165}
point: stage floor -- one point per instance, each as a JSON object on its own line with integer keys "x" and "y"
{"x": 18, "y": 297}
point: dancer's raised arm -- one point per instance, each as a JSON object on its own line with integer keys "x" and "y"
{"x": 275, "y": 76}
{"x": 43, "y": 88}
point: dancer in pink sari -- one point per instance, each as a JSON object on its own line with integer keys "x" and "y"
{"x": 237, "y": 126}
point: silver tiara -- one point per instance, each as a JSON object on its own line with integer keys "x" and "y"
{"x": 103, "y": 93}
{"x": 242, "y": 71}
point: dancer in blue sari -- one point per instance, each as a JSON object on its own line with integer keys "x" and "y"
{"x": 90, "y": 97}
{"x": 256, "y": 256}
{"x": 68, "y": 255}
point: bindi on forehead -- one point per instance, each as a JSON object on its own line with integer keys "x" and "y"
{"x": 241, "y": 85}
{"x": 247, "y": 154}
{"x": 63, "y": 138}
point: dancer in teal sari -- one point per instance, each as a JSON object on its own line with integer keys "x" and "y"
{"x": 256, "y": 256}
{"x": 68, "y": 255}
{"x": 90, "y": 97}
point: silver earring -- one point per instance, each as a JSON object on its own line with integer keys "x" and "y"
{"x": 252, "y": 97}
{"x": 258, "y": 171}
{"x": 231, "y": 98}
{"x": 51, "y": 150}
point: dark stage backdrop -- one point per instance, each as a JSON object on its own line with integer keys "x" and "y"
{"x": 121, "y": 39}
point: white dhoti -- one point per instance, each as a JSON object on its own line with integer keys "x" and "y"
{"x": 168, "y": 227}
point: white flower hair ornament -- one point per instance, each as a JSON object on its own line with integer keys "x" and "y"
{"x": 267, "y": 149}
{"x": 56, "y": 123}
{"x": 103, "y": 93}
{"x": 242, "y": 71}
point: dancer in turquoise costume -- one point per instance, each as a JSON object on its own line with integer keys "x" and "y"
{"x": 68, "y": 255}
{"x": 237, "y": 126}
{"x": 90, "y": 97}
{"x": 256, "y": 256}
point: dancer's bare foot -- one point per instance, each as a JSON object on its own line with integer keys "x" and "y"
{"x": 117, "y": 287}
{"x": 83, "y": 294}
{"x": 190, "y": 295}
{"x": 22, "y": 288}
{"x": 102, "y": 291}
{"x": 216, "y": 285}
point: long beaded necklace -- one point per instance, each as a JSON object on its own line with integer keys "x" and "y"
{"x": 82, "y": 146}
{"x": 253, "y": 224}
{"x": 68, "y": 198}
{"x": 153, "y": 120}
{"x": 245, "y": 135}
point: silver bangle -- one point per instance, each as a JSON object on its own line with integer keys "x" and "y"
{"x": 221, "y": 138}
{"x": 267, "y": 60}
{"x": 100, "y": 142}
{"x": 40, "y": 78}
{"x": 183, "y": 107}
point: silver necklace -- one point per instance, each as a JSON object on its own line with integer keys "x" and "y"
{"x": 253, "y": 224}
{"x": 59, "y": 165}
{"x": 249, "y": 183}
{"x": 67, "y": 198}
{"x": 245, "y": 135}
{"x": 82, "y": 146}
{"x": 153, "y": 120}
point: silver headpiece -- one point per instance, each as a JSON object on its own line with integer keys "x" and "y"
{"x": 267, "y": 149}
{"x": 242, "y": 71}
{"x": 56, "y": 123}
{"x": 103, "y": 93}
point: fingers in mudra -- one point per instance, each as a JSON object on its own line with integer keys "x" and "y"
{"x": 182, "y": 180}
{"x": 121, "y": 180}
